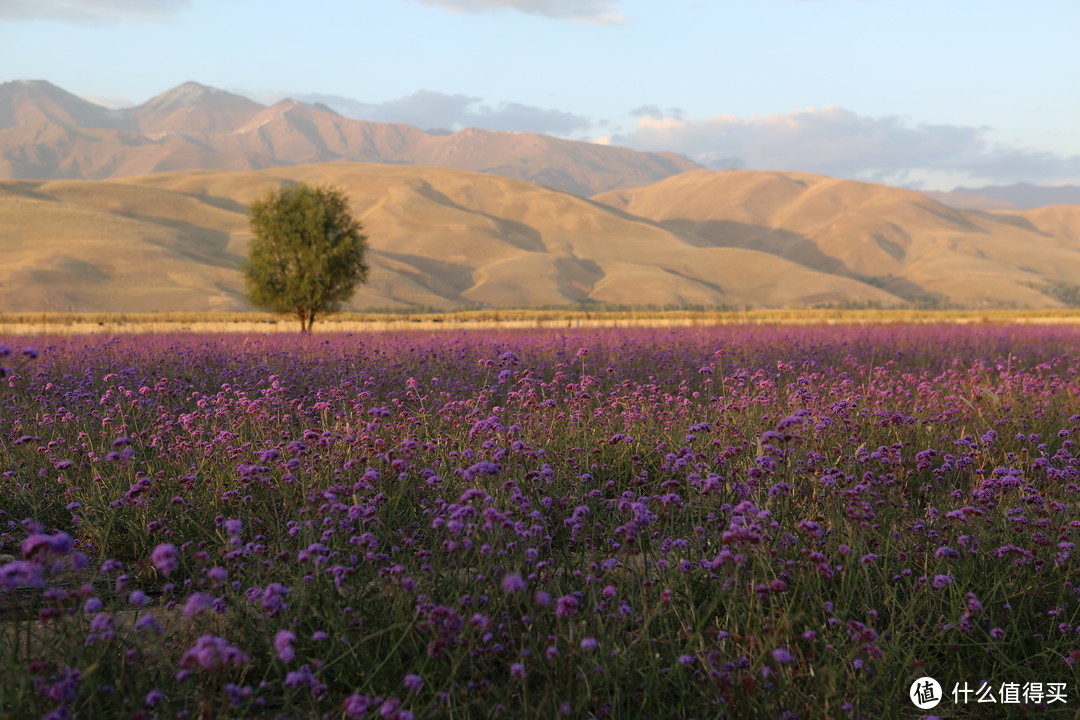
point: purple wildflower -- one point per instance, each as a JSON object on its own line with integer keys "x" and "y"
{"x": 198, "y": 603}
{"x": 283, "y": 641}
{"x": 148, "y": 623}
{"x": 164, "y": 558}
{"x": 40, "y": 544}
{"x": 782, "y": 656}
{"x": 211, "y": 651}
{"x": 299, "y": 678}
{"x": 566, "y": 606}
{"x": 357, "y": 706}
{"x": 514, "y": 583}
{"x": 941, "y": 581}
{"x": 271, "y": 599}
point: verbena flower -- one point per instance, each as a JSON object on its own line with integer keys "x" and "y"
{"x": 413, "y": 683}
{"x": 566, "y": 606}
{"x": 783, "y": 656}
{"x": 198, "y": 603}
{"x": 283, "y": 641}
{"x": 357, "y": 706}
{"x": 514, "y": 583}
{"x": 211, "y": 651}
{"x": 39, "y": 544}
{"x": 164, "y": 558}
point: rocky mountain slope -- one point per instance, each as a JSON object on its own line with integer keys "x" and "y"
{"x": 48, "y": 133}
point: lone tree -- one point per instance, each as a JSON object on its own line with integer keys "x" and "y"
{"x": 307, "y": 253}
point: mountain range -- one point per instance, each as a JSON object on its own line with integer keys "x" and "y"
{"x": 49, "y": 133}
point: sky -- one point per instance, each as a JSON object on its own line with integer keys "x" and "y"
{"x": 929, "y": 94}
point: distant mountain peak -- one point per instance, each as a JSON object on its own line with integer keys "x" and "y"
{"x": 30, "y": 83}
{"x": 195, "y": 108}
{"x": 37, "y": 101}
{"x": 189, "y": 93}
{"x": 41, "y": 88}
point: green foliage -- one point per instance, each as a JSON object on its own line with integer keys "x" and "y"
{"x": 307, "y": 253}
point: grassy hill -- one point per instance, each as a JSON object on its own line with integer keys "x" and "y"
{"x": 896, "y": 239}
{"x": 440, "y": 238}
{"x": 445, "y": 239}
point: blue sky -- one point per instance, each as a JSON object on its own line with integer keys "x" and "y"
{"x": 931, "y": 93}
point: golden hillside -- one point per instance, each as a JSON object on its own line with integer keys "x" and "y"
{"x": 439, "y": 237}
{"x": 896, "y": 239}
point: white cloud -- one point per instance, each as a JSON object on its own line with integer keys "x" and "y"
{"x": 426, "y": 109}
{"x": 91, "y": 11}
{"x": 835, "y": 141}
{"x": 654, "y": 111}
{"x": 599, "y": 12}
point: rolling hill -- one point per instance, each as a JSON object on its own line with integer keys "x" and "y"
{"x": 439, "y": 237}
{"x": 48, "y": 133}
{"x": 895, "y": 239}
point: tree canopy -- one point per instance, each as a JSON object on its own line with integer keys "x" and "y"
{"x": 307, "y": 252}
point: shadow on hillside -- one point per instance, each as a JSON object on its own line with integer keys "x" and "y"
{"x": 799, "y": 249}
{"x": 206, "y": 246}
{"x": 907, "y": 290}
{"x": 443, "y": 278}
{"x": 950, "y": 215}
{"x": 550, "y": 178}
{"x": 1016, "y": 221}
{"x": 222, "y": 203}
{"x": 775, "y": 241}
{"x": 17, "y": 188}
{"x": 517, "y": 234}
{"x": 576, "y": 277}
{"x": 715, "y": 287}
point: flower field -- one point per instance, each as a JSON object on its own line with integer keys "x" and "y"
{"x": 729, "y": 522}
